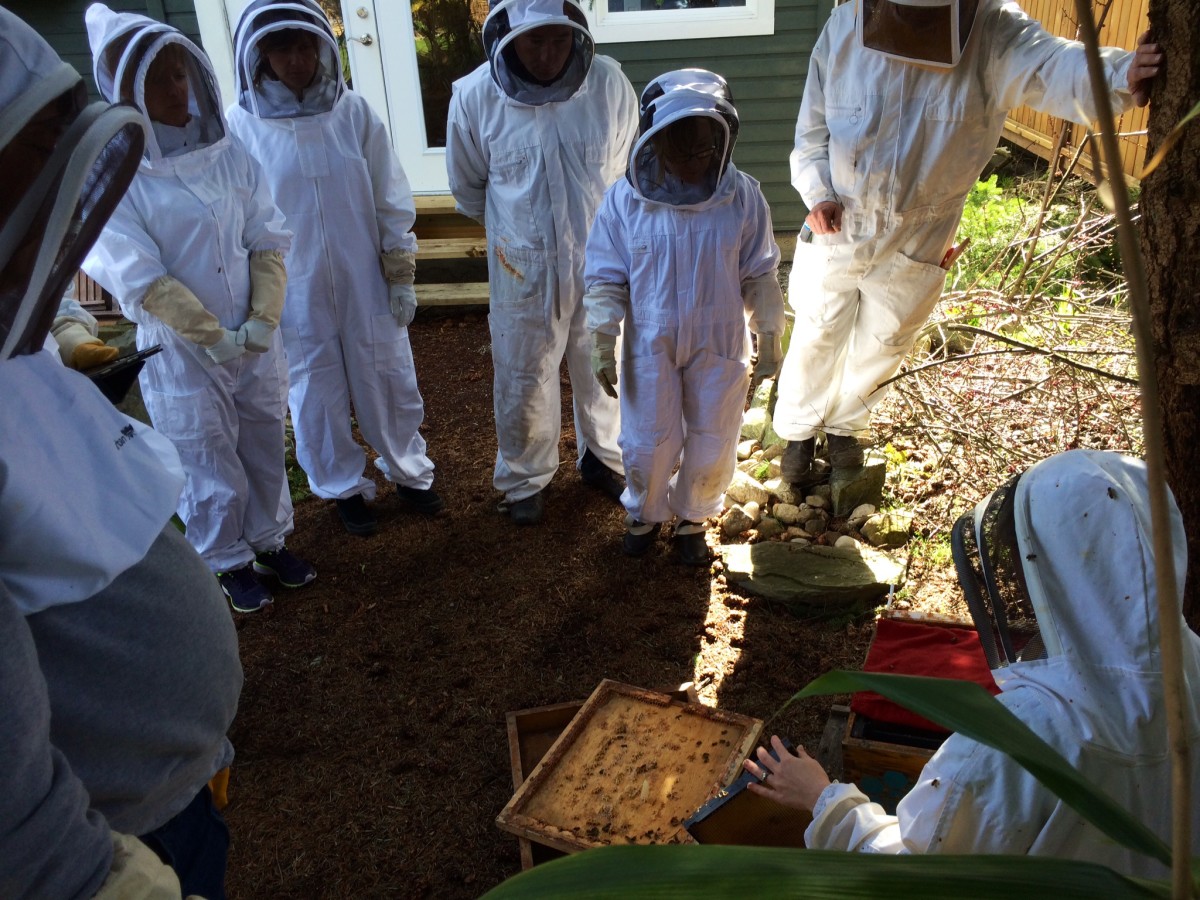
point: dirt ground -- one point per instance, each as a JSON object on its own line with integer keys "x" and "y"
{"x": 372, "y": 756}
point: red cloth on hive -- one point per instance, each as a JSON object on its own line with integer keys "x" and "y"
{"x": 916, "y": 648}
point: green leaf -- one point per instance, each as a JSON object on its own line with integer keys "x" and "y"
{"x": 966, "y": 708}
{"x": 712, "y": 871}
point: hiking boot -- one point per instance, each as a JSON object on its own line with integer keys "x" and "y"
{"x": 639, "y": 537}
{"x": 690, "y": 543}
{"x": 599, "y": 476}
{"x": 289, "y": 569}
{"x": 845, "y": 452}
{"x": 245, "y": 592}
{"x": 527, "y": 511}
{"x": 796, "y": 463}
{"x": 355, "y": 515}
{"x": 421, "y": 500}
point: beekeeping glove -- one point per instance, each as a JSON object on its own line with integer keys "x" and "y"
{"x": 79, "y": 348}
{"x": 180, "y": 310}
{"x": 399, "y": 270}
{"x": 227, "y": 349}
{"x": 268, "y": 287}
{"x": 763, "y": 299}
{"x": 770, "y": 357}
{"x": 604, "y": 361}
{"x": 136, "y": 873}
{"x": 403, "y": 300}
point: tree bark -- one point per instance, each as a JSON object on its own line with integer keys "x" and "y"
{"x": 1170, "y": 219}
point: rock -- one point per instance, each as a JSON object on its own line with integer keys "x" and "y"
{"x": 889, "y": 529}
{"x": 795, "y": 532}
{"x": 744, "y": 489}
{"x": 782, "y": 491}
{"x": 846, "y": 541}
{"x": 851, "y": 488}
{"x": 860, "y": 514}
{"x": 816, "y": 501}
{"x": 735, "y": 521}
{"x": 801, "y": 542}
{"x": 761, "y": 398}
{"x": 788, "y": 513}
{"x": 746, "y": 449}
{"x": 769, "y": 528}
{"x": 817, "y": 579}
{"x": 754, "y": 424}
{"x": 773, "y": 450}
{"x": 748, "y": 466}
{"x": 814, "y": 527}
{"x": 753, "y": 510}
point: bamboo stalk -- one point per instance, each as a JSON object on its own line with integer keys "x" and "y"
{"x": 1152, "y": 426}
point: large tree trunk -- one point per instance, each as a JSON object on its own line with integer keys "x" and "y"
{"x": 1170, "y": 207}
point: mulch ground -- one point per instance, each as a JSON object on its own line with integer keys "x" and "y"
{"x": 372, "y": 756}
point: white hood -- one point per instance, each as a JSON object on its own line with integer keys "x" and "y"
{"x": 509, "y": 19}
{"x": 266, "y": 97}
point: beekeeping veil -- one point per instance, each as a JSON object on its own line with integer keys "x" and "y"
{"x": 928, "y": 32}
{"x": 66, "y": 165}
{"x": 263, "y": 18}
{"x": 671, "y": 98}
{"x": 509, "y": 19}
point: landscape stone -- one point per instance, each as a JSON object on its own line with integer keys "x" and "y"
{"x": 889, "y": 529}
{"x": 735, "y": 521}
{"x": 745, "y": 488}
{"x": 769, "y": 527}
{"x": 746, "y": 449}
{"x": 814, "y": 579}
{"x": 788, "y": 513}
{"x": 850, "y": 488}
{"x": 754, "y": 424}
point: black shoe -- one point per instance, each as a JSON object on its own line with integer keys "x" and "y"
{"x": 289, "y": 569}
{"x": 527, "y": 511}
{"x": 690, "y": 544}
{"x": 245, "y": 592}
{"x": 639, "y": 537}
{"x": 597, "y": 475}
{"x": 845, "y": 452}
{"x": 796, "y": 464}
{"x": 421, "y": 500}
{"x": 358, "y": 519}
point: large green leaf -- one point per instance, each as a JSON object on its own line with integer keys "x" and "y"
{"x": 966, "y": 708}
{"x": 749, "y": 872}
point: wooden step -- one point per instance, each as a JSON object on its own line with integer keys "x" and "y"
{"x": 452, "y": 248}
{"x": 469, "y": 293}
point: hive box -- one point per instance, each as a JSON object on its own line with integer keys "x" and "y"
{"x": 628, "y": 767}
{"x": 884, "y": 761}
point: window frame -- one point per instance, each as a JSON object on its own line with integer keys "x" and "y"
{"x": 757, "y": 17}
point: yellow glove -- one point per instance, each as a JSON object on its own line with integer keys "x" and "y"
{"x": 268, "y": 287}
{"x": 180, "y": 310}
{"x": 92, "y": 354}
{"x": 78, "y": 347}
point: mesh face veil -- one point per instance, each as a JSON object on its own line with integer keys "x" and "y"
{"x": 928, "y": 32}
{"x": 987, "y": 558}
{"x": 83, "y": 161}
{"x": 675, "y": 160}
{"x": 508, "y": 20}
{"x": 264, "y": 18}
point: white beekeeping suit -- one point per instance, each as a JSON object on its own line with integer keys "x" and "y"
{"x": 178, "y": 255}
{"x": 898, "y": 145}
{"x": 1077, "y": 526}
{"x": 328, "y": 160}
{"x": 532, "y": 161}
{"x": 675, "y": 268}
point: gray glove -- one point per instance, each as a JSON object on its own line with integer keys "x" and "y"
{"x": 403, "y": 300}
{"x": 604, "y": 361}
{"x": 228, "y": 348}
{"x": 770, "y": 357}
{"x": 255, "y": 335}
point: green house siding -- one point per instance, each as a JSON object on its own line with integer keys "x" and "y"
{"x": 766, "y": 74}
{"x": 60, "y": 22}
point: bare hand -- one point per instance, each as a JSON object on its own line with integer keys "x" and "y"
{"x": 825, "y": 218}
{"x": 1148, "y": 59}
{"x": 795, "y": 780}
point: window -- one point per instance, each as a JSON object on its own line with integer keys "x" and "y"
{"x": 621, "y": 21}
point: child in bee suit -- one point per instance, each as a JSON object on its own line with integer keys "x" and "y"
{"x": 327, "y": 158}
{"x": 680, "y": 257}
{"x": 194, "y": 256}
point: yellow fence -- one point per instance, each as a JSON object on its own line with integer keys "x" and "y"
{"x": 1122, "y": 22}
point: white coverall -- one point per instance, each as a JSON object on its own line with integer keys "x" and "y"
{"x": 535, "y": 175}
{"x": 899, "y": 146}
{"x": 1083, "y": 524}
{"x": 686, "y": 348}
{"x": 332, "y": 172}
{"x": 196, "y": 217}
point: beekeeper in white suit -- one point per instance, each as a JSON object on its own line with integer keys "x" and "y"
{"x": 350, "y": 294}
{"x": 119, "y": 672}
{"x": 1069, "y": 543}
{"x": 535, "y": 136}
{"x": 903, "y": 105}
{"x": 680, "y": 257}
{"x": 194, "y": 256}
